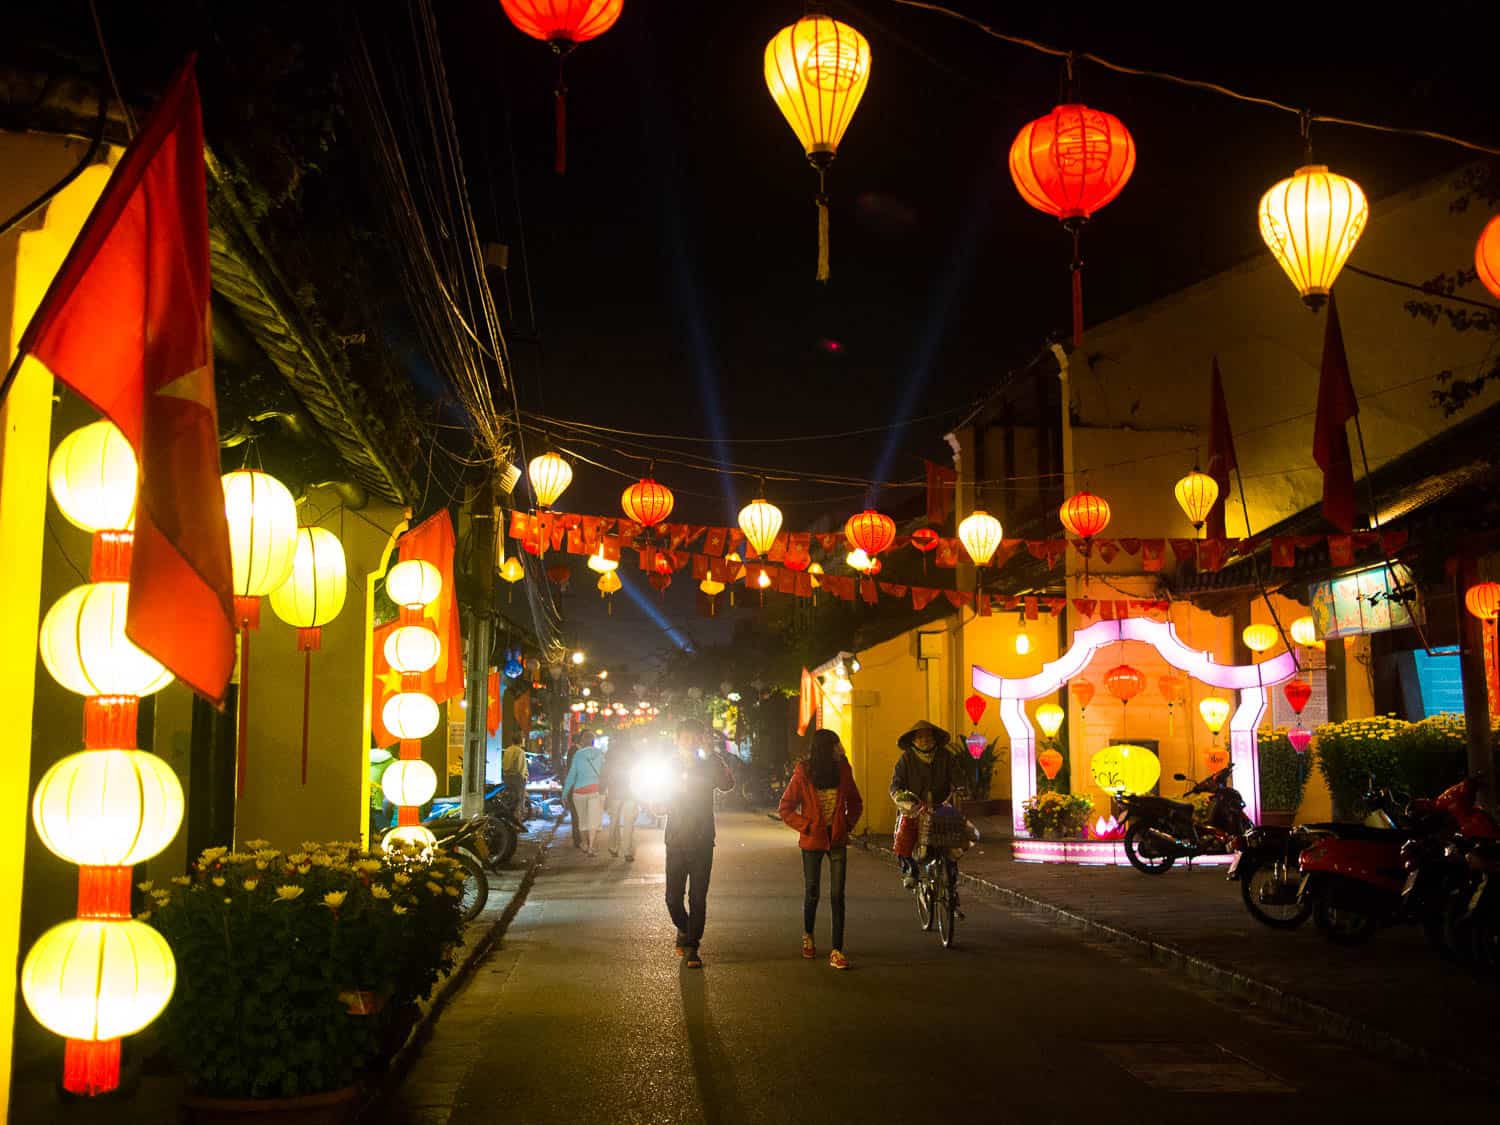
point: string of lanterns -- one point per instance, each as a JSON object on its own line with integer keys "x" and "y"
{"x": 411, "y": 649}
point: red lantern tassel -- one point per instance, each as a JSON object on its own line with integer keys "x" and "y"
{"x": 308, "y": 642}
{"x": 1077, "y": 270}
{"x": 247, "y": 610}
{"x": 560, "y": 104}
{"x": 91, "y": 1066}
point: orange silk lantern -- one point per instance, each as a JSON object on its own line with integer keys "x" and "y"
{"x": 925, "y": 539}
{"x": 1125, "y": 682}
{"x": 646, "y": 502}
{"x": 1069, "y": 164}
{"x": 870, "y": 531}
{"x": 1083, "y": 692}
{"x": 1050, "y": 761}
{"x": 1215, "y": 759}
{"x": 1487, "y": 257}
{"x": 1483, "y": 600}
{"x": 1173, "y": 689}
{"x": 562, "y": 25}
{"x": 1085, "y": 514}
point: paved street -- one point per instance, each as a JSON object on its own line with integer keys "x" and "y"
{"x": 583, "y": 1013}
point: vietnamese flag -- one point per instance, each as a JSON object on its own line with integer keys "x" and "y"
{"x": 1337, "y": 404}
{"x": 126, "y": 325}
{"x": 432, "y": 541}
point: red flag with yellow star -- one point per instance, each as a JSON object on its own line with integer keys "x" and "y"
{"x": 126, "y": 325}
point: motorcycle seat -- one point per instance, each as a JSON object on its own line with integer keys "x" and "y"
{"x": 1359, "y": 831}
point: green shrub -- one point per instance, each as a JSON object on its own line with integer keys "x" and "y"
{"x": 1057, "y": 815}
{"x": 1421, "y": 758}
{"x": 1283, "y": 771}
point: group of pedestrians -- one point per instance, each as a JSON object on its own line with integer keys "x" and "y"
{"x": 598, "y": 783}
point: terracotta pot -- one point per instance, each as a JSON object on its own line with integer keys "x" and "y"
{"x": 333, "y": 1107}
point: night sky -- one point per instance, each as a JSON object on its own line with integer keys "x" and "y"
{"x": 671, "y": 268}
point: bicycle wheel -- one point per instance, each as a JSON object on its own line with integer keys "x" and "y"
{"x": 476, "y": 890}
{"x": 947, "y": 912}
{"x": 924, "y": 903}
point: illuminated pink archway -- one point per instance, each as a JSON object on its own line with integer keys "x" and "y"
{"x": 1250, "y": 680}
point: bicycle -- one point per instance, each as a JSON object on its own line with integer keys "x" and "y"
{"x": 937, "y": 896}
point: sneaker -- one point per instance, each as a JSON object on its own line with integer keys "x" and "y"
{"x": 909, "y": 882}
{"x": 693, "y": 960}
{"x": 808, "y": 948}
{"x": 837, "y": 960}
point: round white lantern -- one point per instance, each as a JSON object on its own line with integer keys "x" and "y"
{"x": 262, "y": 520}
{"x": 409, "y": 782}
{"x": 93, "y": 478}
{"x": 412, "y": 648}
{"x": 313, "y": 594}
{"x": 410, "y": 714}
{"x": 414, "y": 582}
{"x": 83, "y": 644}
{"x": 94, "y": 980}
{"x": 108, "y": 808}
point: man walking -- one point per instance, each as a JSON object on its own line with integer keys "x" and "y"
{"x": 513, "y": 773}
{"x": 689, "y": 835}
{"x": 619, "y": 800}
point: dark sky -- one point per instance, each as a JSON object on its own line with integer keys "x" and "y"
{"x": 671, "y": 268}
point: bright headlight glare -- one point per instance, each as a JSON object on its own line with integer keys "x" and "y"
{"x": 652, "y": 781}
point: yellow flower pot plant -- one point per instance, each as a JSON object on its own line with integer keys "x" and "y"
{"x": 294, "y": 969}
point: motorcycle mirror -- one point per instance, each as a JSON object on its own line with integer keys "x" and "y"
{"x": 1179, "y": 777}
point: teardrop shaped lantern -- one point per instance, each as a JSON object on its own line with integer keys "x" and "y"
{"x": 975, "y": 706}
{"x": 609, "y": 583}
{"x": 1051, "y": 762}
{"x": 1487, "y": 257}
{"x": 1125, "y": 682}
{"x": 1297, "y": 693}
{"x": 1085, "y": 514}
{"x": 925, "y": 539}
{"x": 562, "y": 25}
{"x": 870, "y": 531}
{"x": 1311, "y": 223}
{"x": 1304, "y": 630}
{"x": 1082, "y": 692}
{"x": 1071, "y": 163}
{"x": 512, "y": 570}
{"x": 550, "y": 476}
{"x": 1215, "y": 712}
{"x": 816, "y": 71}
{"x": 646, "y": 502}
{"x": 760, "y": 520}
{"x": 1196, "y": 494}
{"x": 1049, "y": 716}
{"x": 980, "y": 534}
{"x": 309, "y": 599}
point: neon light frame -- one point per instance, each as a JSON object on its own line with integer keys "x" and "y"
{"x": 1250, "y": 680}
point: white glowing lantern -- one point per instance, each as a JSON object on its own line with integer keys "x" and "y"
{"x": 84, "y": 647}
{"x": 412, "y": 648}
{"x": 410, "y": 839}
{"x": 760, "y": 520}
{"x": 980, "y": 534}
{"x": 108, "y": 808}
{"x": 314, "y": 593}
{"x": 410, "y": 715}
{"x": 262, "y": 518}
{"x": 93, "y": 478}
{"x": 550, "y": 476}
{"x": 409, "y": 782}
{"x": 95, "y": 980}
{"x": 413, "y": 583}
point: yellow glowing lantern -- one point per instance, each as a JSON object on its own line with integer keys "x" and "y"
{"x": 550, "y": 476}
{"x": 412, "y": 648}
{"x": 410, "y": 839}
{"x": 817, "y": 70}
{"x": 1259, "y": 637}
{"x": 764, "y": 581}
{"x": 816, "y": 571}
{"x": 609, "y": 583}
{"x": 262, "y": 519}
{"x": 601, "y": 565}
{"x": 857, "y": 560}
{"x": 1023, "y": 643}
{"x": 1196, "y": 494}
{"x": 1311, "y": 223}
{"x": 1125, "y": 769}
{"x": 413, "y": 583}
{"x": 96, "y": 980}
{"x": 93, "y": 478}
{"x": 108, "y": 808}
{"x": 512, "y": 570}
{"x": 409, "y": 781}
{"x": 980, "y": 534}
{"x": 1305, "y": 631}
{"x": 314, "y": 594}
{"x": 1215, "y": 712}
{"x": 84, "y": 647}
{"x": 760, "y": 521}
{"x": 410, "y": 715}
{"x": 1049, "y": 716}
{"x": 711, "y": 588}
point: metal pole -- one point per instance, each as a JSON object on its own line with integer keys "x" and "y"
{"x": 1476, "y": 689}
{"x": 476, "y": 728}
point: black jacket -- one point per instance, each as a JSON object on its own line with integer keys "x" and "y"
{"x": 932, "y": 783}
{"x": 690, "y": 812}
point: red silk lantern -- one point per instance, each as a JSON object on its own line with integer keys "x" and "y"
{"x": 559, "y": 573}
{"x": 662, "y": 564}
{"x": 1069, "y": 164}
{"x": 1487, "y": 256}
{"x": 562, "y": 25}
{"x": 925, "y": 539}
{"x": 1082, "y": 691}
{"x": 1085, "y": 514}
{"x": 1125, "y": 682}
{"x": 661, "y": 581}
{"x": 975, "y": 706}
{"x": 646, "y": 502}
{"x": 870, "y": 531}
{"x": 797, "y": 560}
{"x": 875, "y": 567}
{"x": 1483, "y": 598}
{"x": 1216, "y": 759}
{"x": 1297, "y": 693}
{"x": 1050, "y": 761}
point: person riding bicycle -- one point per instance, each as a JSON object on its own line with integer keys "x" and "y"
{"x": 925, "y": 776}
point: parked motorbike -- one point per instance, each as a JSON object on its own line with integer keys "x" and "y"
{"x": 1471, "y": 914}
{"x": 466, "y": 842}
{"x": 503, "y": 832}
{"x": 1161, "y": 831}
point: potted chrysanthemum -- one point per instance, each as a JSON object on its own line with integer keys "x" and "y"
{"x": 290, "y": 966}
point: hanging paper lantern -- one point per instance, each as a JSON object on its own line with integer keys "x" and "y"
{"x": 410, "y": 715}
{"x": 1215, "y": 712}
{"x": 412, "y": 648}
{"x": 1483, "y": 600}
{"x": 1051, "y": 762}
{"x": 513, "y": 571}
{"x": 1304, "y": 631}
{"x": 1215, "y": 759}
{"x": 1196, "y": 494}
{"x": 858, "y": 560}
{"x": 763, "y": 580}
{"x": 414, "y": 583}
{"x": 262, "y": 518}
{"x": 1085, "y": 514}
{"x": 662, "y": 563}
{"x": 760, "y": 521}
{"x": 646, "y": 502}
{"x": 814, "y": 571}
{"x": 1125, "y": 769}
{"x": 925, "y": 539}
{"x": 870, "y": 531}
{"x": 601, "y": 565}
{"x": 96, "y": 980}
{"x": 797, "y": 560}
{"x": 83, "y": 644}
{"x": 550, "y": 476}
{"x": 816, "y": 71}
{"x": 409, "y": 782}
{"x": 108, "y": 808}
{"x": 1297, "y": 693}
{"x": 1023, "y": 643}
{"x": 1069, "y": 164}
{"x": 1125, "y": 682}
{"x": 1259, "y": 636}
{"x": 559, "y": 573}
{"x": 1311, "y": 223}
{"x": 1049, "y": 716}
{"x": 564, "y": 23}
{"x": 711, "y": 588}
{"x": 92, "y": 476}
{"x": 314, "y": 593}
{"x": 660, "y": 581}
{"x": 1082, "y": 692}
{"x": 975, "y": 706}
{"x": 1300, "y": 739}
{"x": 1173, "y": 689}
{"x": 980, "y": 533}
{"x": 1487, "y": 257}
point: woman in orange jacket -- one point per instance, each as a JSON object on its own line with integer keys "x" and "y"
{"x": 823, "y": 804}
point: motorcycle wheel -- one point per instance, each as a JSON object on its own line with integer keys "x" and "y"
{"x": 1144, "y": 852}
{"x": 1255, "y": 878}
{"x": 476, "y": 890}
{"x": 1341, "y": 925}
{"x": 924, "y": 904}
{"x": 502, "y": 844}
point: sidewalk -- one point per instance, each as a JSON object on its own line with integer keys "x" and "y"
{"x": 1394, "y": 995}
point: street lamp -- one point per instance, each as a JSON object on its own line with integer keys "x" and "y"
{"x": 604, "y": 673}
{"x": 578, "y": 657}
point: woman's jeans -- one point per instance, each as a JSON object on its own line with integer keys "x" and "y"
{"x": 812, "y": 873}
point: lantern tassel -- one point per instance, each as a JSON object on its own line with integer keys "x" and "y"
{"x": 91, "y": 1066}
{"x": 1077, "y": 270}
{"x": 306, "y": 695}
{"x": 823, "y": 238}
{"x": 560, "y": 106}
{"x": 242, "y": 703}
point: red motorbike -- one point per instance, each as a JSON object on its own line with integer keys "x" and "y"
{"x": 1353, "y": 878}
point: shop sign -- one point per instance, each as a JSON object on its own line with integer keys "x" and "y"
{"x": 1374, "y": 600}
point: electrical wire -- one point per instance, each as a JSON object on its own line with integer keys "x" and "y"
{"x": 1193, "y": 83}
{"x": 690, "y": 439}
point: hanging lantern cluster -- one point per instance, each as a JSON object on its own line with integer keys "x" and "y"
{"x": 102, "y": 975}
{"x": 1310, "y": 223}
{"x": 1196, "y": 495}
{"x": 980, "y": 533}
{"x": 816, "y": 71}
{"x": 411, "y": 649}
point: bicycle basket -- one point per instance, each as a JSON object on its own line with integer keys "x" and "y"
{"x": 942, "y": 828}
